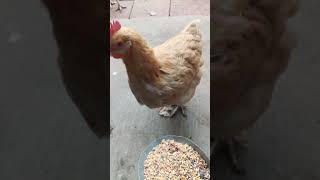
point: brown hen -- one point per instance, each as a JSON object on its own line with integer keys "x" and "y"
{"x": 165, "y": 76}
{"x": 250, "y": 49}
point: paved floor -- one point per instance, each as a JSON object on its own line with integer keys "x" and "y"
{"x": 144, "y": 8}
{"x": 136, "y": 126}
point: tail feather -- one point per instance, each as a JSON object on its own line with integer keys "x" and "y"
{"x": 193, "y": 27}
{"x": 272, "y": 8}
{"x": 286, "y": 8}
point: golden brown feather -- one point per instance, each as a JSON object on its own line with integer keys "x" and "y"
{"x": 167, "y": 74}
{"x": 251, "y": 48}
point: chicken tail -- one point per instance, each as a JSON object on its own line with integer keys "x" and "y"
{"x": 279, "y": 8}
{"x": 193, "y": 27}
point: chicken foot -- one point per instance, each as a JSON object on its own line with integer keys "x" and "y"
{"x": 231, "y": 149}
{"x": 120, "y": 7}
{"x": 169, "y": 111}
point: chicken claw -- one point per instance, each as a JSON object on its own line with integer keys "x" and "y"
{"x": 120, "y": 7}
{"x": 168, "y": 111}
{"x": 183, "y": 111}
{"x": 112, "y": 3}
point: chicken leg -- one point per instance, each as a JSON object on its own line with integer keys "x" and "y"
{"x": 169, "y": 111}
{"x": 230, "y": 146}
{"x": 120, "y": 7}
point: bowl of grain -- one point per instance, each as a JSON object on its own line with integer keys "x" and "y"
{"x": 173, "y": 157}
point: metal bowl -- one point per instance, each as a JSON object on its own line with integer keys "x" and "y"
{"x": 180, "y": 139}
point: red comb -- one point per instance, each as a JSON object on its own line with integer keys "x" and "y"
{"x": 114, "y": 27}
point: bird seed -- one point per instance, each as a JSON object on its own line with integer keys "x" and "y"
{"x": 171, "y": 160}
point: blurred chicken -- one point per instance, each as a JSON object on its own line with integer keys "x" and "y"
{"x": 165, "y": 76}
{"x": 250, "y": 49}
{"x": 79, "y": 29}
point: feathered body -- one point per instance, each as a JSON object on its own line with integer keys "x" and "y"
{"x": 251, "y": 48}
{"x": 167, "y": 74}
{"x": 79, "y": 28}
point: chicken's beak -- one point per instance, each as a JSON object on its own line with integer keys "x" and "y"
{"x": 117, "y": 56}
{"x": 114, "y": 53}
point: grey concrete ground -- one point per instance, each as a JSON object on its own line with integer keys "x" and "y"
{"x": 136, "y": 126}
{"x": 284, "y": 145}
{"x": 42, "y": 135}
